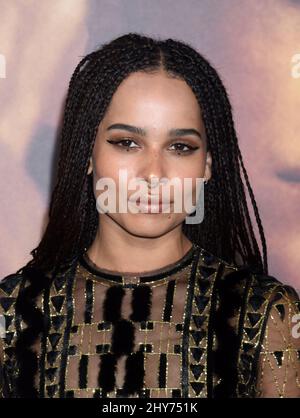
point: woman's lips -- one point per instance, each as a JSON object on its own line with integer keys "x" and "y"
{"x": 156, "y": 205}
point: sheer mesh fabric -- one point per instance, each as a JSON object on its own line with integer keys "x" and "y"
{"x": 279, "y": 360}
{"x": 152, "y": 334}
{"x": 159, "y": 337}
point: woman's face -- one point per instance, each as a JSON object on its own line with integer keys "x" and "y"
{"x": 157, "y": 105}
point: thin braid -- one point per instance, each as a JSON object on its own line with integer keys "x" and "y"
{"x": 258, "y": 220}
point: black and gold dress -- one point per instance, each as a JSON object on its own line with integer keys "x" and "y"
{"x": 197, "y": 328}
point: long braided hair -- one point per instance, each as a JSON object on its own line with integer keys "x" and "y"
{"x": 226, "y": 230}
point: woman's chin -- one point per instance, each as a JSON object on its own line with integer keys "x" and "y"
{"x": 149, "y": 225}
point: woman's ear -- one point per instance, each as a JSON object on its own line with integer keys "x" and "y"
{"x": 207, "y": 172}
{"x": 90, "y": 169}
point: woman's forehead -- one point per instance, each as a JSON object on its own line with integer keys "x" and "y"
{"x": 150, "y": 100}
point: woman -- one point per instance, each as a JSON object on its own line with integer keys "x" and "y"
{"x": 126, "y": 304}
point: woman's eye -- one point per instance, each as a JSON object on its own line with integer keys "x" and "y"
{"x": 129, "y": 144}
{"x": 123, "y": 143}
{"x": 185, "y": 148}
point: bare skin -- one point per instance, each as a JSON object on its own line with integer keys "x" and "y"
{"x": 130, "y": 242}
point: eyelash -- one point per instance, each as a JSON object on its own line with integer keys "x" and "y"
{"x": 121, "y": 141}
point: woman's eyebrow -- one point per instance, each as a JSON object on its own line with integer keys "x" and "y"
{"x": 141, "y": 131}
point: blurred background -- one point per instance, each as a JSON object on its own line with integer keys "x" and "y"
{"x": 255, "y": 47}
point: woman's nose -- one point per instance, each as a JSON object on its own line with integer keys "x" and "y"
{"x": 154, "y": 170}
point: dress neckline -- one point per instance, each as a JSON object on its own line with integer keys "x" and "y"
{"x": 136, "y": 277}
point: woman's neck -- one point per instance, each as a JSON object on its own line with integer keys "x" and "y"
{"x": 115, "y": 249}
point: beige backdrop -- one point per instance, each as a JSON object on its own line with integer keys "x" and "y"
{"x": 255, "y": 46}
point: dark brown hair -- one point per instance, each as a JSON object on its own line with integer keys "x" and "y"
{"x": 226, "y": 230}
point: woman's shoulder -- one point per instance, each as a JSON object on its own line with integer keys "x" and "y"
{"x": 9, "y": 291}
{"x": 29, "y": 279}
{"x": 274, "y": 289}
{"x": 255, "y": 287}
{"x": 10, "y": 284}
{"x": 260, "y": 300}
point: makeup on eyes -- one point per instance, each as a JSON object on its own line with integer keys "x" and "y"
{"x": 119, "y": 142}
